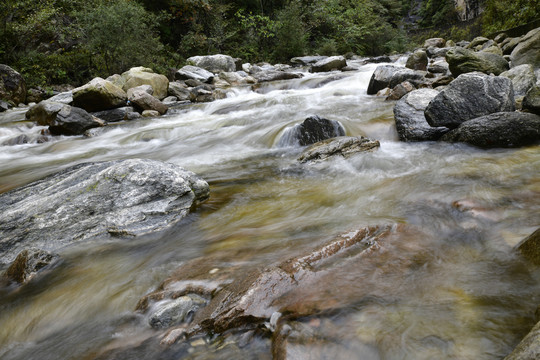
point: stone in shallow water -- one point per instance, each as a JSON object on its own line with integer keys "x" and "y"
{"x": 530, "y": 247}
{"x": 28, "y": 263}
{"x": 340, "y": 146}
{"x": 128, "y": 197}
{"x": 310, "y": 131}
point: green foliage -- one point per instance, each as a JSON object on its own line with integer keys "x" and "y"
{"x": 119, "y": 34}
{"x": 255, "y": 35}
{"x": 291, "y": 36}
{"x": 502, "y": 14}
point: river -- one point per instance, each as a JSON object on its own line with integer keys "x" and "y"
{"x": 471, "y": 298}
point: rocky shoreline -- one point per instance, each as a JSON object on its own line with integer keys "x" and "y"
{"x": 485, "y": 93}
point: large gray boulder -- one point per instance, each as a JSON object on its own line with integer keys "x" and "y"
{"x": 528, "y": 50}
{"x": 12, "y": 85}
{"x": 523, "y": 78}
{"x": 310, "y": 131}
{"x": 329, "y": 64}
{"x": 343, "y": 146}
{"x": 98, "y": 95}
{"x": 141, "y": 99}
{"x": 462, "y": 61}
{"x": 114, "y": 198}
{"x": 499, "y": 130}
{"x": 194, "y": 72}
{"x": 418, "y": 60}
{"x": 470, "y": 96}
{"x": 62, "y": 119}
{"x": 144, "y": 76}
{"x": 390, "y": 75}
{"x": 213, "y": 63}
{"x": 411, "y": 123}
{"x": 531, "y": 102}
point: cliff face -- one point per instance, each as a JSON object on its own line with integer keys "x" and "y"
{"x": 425, "y": 12}
{"x": 468, "y": 9}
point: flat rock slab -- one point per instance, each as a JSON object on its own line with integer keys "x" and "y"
{"x": 115, "y": 198}
{"x": 340, "y": 146}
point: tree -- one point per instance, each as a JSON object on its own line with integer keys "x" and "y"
{"x": 119, "y": 34}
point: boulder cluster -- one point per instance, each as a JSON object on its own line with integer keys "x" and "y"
{"x": 484, "y": 92}
{"x": 140, "y": 92}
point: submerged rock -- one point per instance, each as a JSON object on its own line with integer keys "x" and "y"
{"x": 28, "y": 263}
{"x": 256, "y": 296}
{"x": 529, "y": 347}
{"x": 340, "y": 146}
{"x": 503, "y": 129}
{"x": 411, "y": 123}
{"x": 115, "y": 198}
{"x": 530, "y": 247}
{"x": 174, "y": 312}
{"x": 468, "y": 97}
{"x": 310, "y": 131}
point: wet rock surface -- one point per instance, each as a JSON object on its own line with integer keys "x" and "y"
{"x": 62, "y": 119}
{"x": 411, "y": 123}
{"x": 116, "y": 198}
{"x": 310, "y": 131}
{"x": 390, "y": 75}
{"x": 28, "y": 263}
{"x": 529, "y": 347}
{"x": 454, "y": 105}
{"x": 341, "y": 146}
{"x": 503, "y": 129}
{"x": 252, "y": 298}
{"x": 530, "y": 247}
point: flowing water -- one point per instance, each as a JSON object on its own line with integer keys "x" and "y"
{"x": 470, "y": 297}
